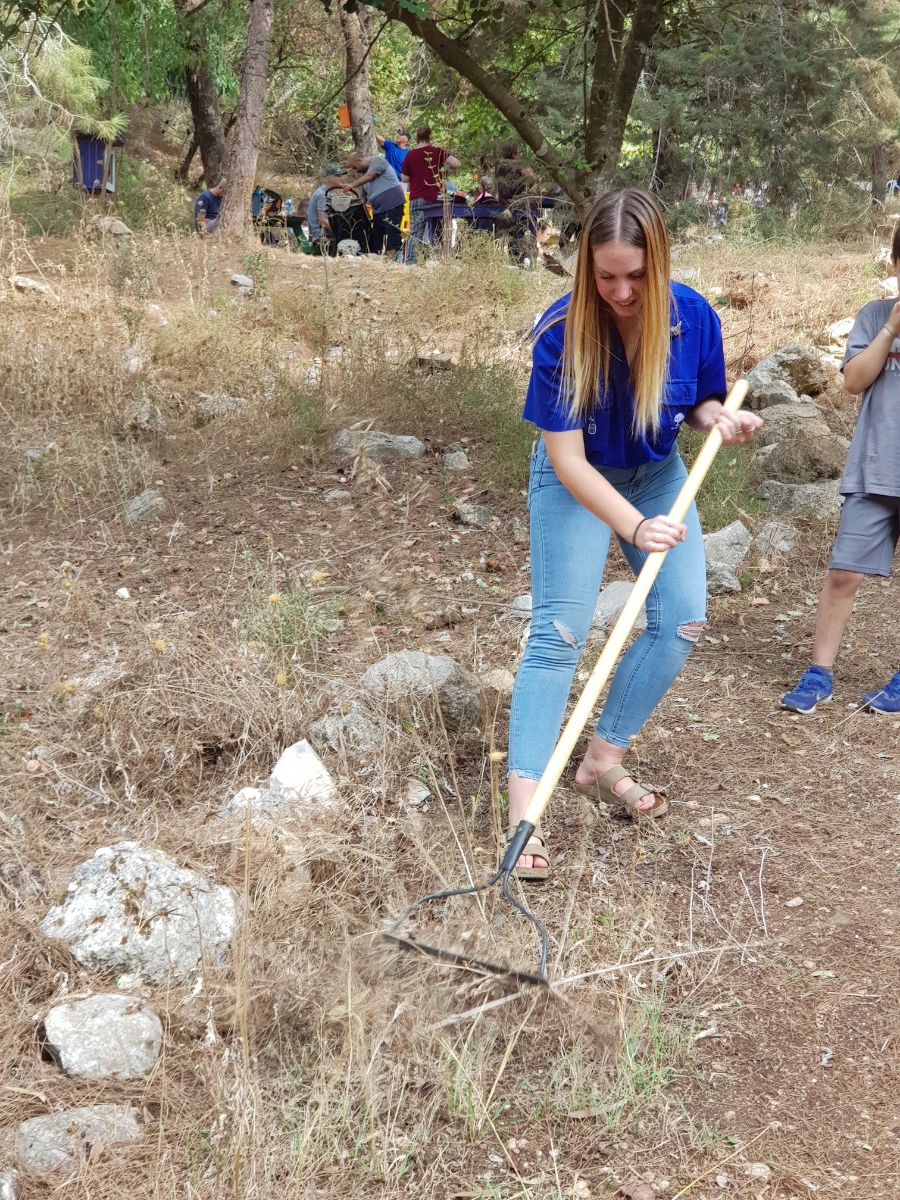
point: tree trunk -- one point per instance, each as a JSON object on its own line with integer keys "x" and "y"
{"x": 203, "y": 98}
{"x": 246, "y": 134}
{"x": 356, "y": 28}
{"x": 618, "y": 41}
{"x": 878, "y": 177}
{"x": 183, "y": 171}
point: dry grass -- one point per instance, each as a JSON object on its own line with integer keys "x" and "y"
{"x": 686, "y": 1030}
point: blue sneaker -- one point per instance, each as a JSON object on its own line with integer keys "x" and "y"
{"x": 884, "y": 700}
{"x": 814, "y": 688}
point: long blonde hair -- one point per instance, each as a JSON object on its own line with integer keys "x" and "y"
{"x": 632, "y": 216}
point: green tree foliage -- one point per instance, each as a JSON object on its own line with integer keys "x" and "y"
{"x": 49, "y": 82}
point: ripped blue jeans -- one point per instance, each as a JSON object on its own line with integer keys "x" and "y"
{"x": 568, "y": 555}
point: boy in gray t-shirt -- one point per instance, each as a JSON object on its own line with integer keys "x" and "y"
{"x": 870, "y": 517}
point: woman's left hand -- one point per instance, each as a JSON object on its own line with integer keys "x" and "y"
{"x": 735, "y": 427}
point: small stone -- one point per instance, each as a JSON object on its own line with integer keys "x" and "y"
{"x": 759, "y": 1170}
{"x": 123, "y": 594}
{"x": 794, "y": 903}
{"x": 416, "y": 793}
{"x": 211, "y": 407}
{"x": 336, "y": 494}
{"x": 143, "y": 507}
{"x": 500, "y": 681}
{"x": 474, "y": 516}
{"x": 243, "y": 282}
{"x": 456, "y": 460}
{"x": 840, "y": 330}
{"x": 62, "y": 1140}
{"x": 22, "y": 283}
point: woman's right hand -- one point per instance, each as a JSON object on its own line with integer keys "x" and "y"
{"x": 659, "y": 533}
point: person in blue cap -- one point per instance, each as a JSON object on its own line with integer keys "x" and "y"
{"x": 394, "y": 152}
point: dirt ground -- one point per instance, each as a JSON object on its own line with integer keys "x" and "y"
{"x": 724, "y": 1019}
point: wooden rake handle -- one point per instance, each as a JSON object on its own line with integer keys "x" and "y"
{"x": 627, "y": 617}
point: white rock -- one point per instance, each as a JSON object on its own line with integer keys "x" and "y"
{"x": 499, "y": 681}
{"x": 521, "y": 606}
{"x": 133, "y": 361}
{"x": 301, "y": 770}
{"x": 24, "y": 284}
{"x": 882, "y": 255}
{"x": 794, "y": 903}
{"x": 66, "y": 1138}
{"x": 104, "y": 1035}
{"x": 10, "y": 1184}
{"x": 416, "y": 793}
{"x": 839, "y": 330}
{"x": 760, "y": 1171}
{"x": 889, "y": 286}
{"x": 130, "y": 908}
{"x": 242, "y": 281}
{"x": 123, "y": 594}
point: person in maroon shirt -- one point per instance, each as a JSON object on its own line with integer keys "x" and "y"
{"x": 423, "y": 169}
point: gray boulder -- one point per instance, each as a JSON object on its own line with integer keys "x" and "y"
{"x": 475, "y": 516}
{"x": 102, "y": 228}
{"x": 804, "y": 369}
{"x": 769, "y": 387}
{"x": 814, "y": 500}
{"x": 104, "y": 1035}
{"x": 456, "y": 460}
{"x": 65, "y": 1139}
{"x": 728, "y": 545}
{"x": 211, "y": 407}
{"x": 146, "y": 506}
{"x": 798, "y": 447}
{"x": 725, "y": 550}
{"x": 776, "y": 538}
{"x": 610, "y": 603}
{"x": 131, "y": 909}
{"x": 378, "y": 447}
{"x": 411, "y": 675}
{"x": 351, "y": 733}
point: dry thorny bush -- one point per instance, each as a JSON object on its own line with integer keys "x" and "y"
{"x": 320, "y": 1062}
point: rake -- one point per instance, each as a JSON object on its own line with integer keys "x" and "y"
{"x": 566, "y": 744}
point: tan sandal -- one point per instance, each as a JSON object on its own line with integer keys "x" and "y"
{"x": 536, "y": 846}
{"x": 626, "y": 804}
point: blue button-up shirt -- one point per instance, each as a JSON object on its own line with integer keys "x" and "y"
{"x": 696, "y": 373}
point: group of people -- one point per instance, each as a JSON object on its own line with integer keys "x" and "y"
{"x": 619, "y": 365}
{"x": 362, "y": 203}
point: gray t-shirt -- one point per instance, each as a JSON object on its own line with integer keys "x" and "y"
{"x": 873, "y": 460}
{"x": 384, "y": 191}
{"x": 314, "y": 215}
